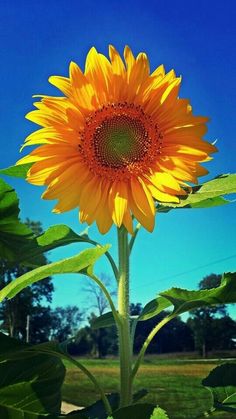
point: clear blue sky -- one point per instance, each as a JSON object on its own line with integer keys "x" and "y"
{"x": 197, "y": 39}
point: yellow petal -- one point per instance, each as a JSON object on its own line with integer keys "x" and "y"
{"x": 161, "y": 196}
{"x": 103, "y": 216}
{"x": 98, "y": 72}
{"x": 129, "y": 59}
{"x": 128, "y": 222}
{"x": 118, "y": 66}
{"x": 118, "y": 201}
{"x": 62, "y": 83}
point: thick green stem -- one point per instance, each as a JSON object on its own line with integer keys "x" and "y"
{"x": 124, "y": 324}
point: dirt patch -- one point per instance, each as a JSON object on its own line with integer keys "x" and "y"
{"x": 68, "y": 407}
{"x": 196, "y": 370}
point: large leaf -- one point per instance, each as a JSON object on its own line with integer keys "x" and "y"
{"x": 222, "y": 383}
{"x": 184, "y": 300}
{"x": 13, "y": 233}
{"x": 16, "y": 352}
{"x": 75, "y": 264}
{"x": 31, "y": 384}
{"x": 10, "y": 346}
{"x": 56, "y": 236}
{"x": 209, "y": 194}
{"x": 154, "y": 307}
{"x": 97, "y": 409}
{"x": 7, "y": 412}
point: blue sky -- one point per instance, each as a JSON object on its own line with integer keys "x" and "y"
{"x": 197, "y": 39}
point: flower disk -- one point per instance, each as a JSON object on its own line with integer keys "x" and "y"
{"x": 117, "y": 141}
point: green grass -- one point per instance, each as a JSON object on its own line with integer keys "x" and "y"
{"x": 175, "y": 385}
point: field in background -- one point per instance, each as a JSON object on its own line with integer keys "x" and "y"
{"x": 174, "y": 384}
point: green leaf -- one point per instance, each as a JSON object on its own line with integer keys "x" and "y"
{"x": 56, "y": 236}
{"x": 17, "y": 170}
{"x": 11, "y": 349}
{"x": 159, "y": 413}
{"x": 209, "y": 194}
{"x": 184, "y": 300}
{"x": 12, "y": 413}
{"x": 151, "y": 309}
{"x": 154, "y": 307}
{"x": 10, "y": 346}
{"x": 97, "y": 409}
{"x": 209, "y": 203}
{"x": 13, "y": 233}
{"x": 140, "y": 411}
{"x": 222, "y": 383}
{"x": 105, "y": 320}
{"x": 75, "y": 264}
{"x": 31, "y": 383}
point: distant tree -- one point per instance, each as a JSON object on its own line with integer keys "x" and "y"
{"x": 135, "y": 309}
{"x": 176, "y": 336}
{"x": 65, "y": 322}
{"x": 40, "y": 323}
{"x": 83, "y": 343}
{"x": 202, "y": 321}
{"x": 14, "y": 312}
{"x": 224, "y": 331}
{"x": 99, "y": 303}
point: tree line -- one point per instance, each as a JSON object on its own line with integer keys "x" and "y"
{"x": 30, "y": 317}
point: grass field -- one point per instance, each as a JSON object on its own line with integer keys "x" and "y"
{"x": 175, "y": 385}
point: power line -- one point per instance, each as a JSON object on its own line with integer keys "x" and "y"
{"x": 187, "y": 272}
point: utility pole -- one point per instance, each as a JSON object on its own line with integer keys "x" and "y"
{"x": 27, "y": 327}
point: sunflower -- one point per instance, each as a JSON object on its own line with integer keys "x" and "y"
{"x": 117, "y": 141}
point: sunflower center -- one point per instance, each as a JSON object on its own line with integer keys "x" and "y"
{"x": 119, "y": 141}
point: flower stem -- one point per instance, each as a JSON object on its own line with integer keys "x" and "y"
{"x": 124, "y": 324}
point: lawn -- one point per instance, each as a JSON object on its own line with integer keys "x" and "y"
{"x": 175, "y": 385}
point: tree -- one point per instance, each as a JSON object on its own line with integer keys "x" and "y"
{"x": 135, "y": 309}
{"x": 224, "y": 331}
{"x": 40, "y": 324}
{"x": 98, "y": 300}
{"x": 100, "y": 304}
{"x": 176, "y": 336}
{"x": 65, "y": 322}
{"x": 202, "y": 321}
{"x": 14, "y": 312}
